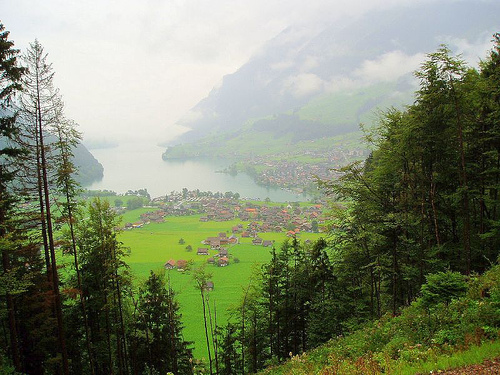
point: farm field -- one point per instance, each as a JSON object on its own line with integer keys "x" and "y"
{"x": 156, "y": 243}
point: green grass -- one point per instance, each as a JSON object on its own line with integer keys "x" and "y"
{"x": 354, "y": 106}
{"x": 473, "y": 355}
{"x": 134, "y": 215}
{"x": 156, "y": 243}
{"x": 111, "y": 198}
{"x": 265, "y": 144}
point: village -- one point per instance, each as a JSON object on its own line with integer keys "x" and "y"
{"x": 254, "y": 218}
{"x": 279, "y": 171}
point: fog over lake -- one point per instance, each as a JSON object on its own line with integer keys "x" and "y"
{"x": 138, "y": 166}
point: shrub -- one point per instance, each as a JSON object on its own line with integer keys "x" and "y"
{"x": 442, "y": 287}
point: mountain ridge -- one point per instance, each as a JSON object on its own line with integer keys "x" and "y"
{"x": 298, "y": 65}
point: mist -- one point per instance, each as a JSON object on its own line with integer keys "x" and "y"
{"x": 129, "y": 71}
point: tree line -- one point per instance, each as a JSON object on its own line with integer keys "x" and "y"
{"x": 67, "y": 301}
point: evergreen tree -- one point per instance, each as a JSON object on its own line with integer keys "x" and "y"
{"x": 326, "y": 312}
{"x": 40, "y": 111}
{"x": 10, "y": 83}
{"x": 487, "y": 157}
{"x": 425, "y": 200}
{"x": 158, "y": 335}
{"x": 104, "y": 280}
{"x": 229, "y": 351}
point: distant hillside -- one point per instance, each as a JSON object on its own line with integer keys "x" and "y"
{"x": 340, "y": 75}
{"x": 89, "y": 169}
{"x": 328, "y": 120}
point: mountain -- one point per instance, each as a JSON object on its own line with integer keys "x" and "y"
{"x": 365, "y": 64}
{"x": 89, "y": 168}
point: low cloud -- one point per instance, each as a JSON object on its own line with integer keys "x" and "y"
{"x": 310, "y": 62}
{"x": 282, "y": 65}
{"x": 190, "y": 117}
{"x": 388, "y": 67}
{"x": 471, "y": 51}
{"x": 303, "y": 85}
{"x": 144, "y": 64}
{"x": 340, "y": 83}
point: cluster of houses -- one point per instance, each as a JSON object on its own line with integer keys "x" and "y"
{"x": 219, "y": 209}
{"x": 180, "y": 265}
{"x": 268, "y": 218}
{"x": 265, "y": 219}
{"x": 261, "y": 218}
{"x": 222, "y": 239}
{"x": 215, "y": 209}
{"x": 222, "y": 256}
{"x": 289, "y": 174}
{"x": 220, "y": 259}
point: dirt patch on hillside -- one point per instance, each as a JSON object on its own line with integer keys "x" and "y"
{"x": 487, "y": 367}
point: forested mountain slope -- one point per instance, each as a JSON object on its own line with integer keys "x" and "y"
{"x": 89, "y": 168}
{"x": 453, "y": 324}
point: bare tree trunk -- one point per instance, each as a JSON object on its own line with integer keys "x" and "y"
{"x": 173, "y": 353}
{"x": 254, "y": 341}
{"x": 243, "y": 337}
{"x": 212, "y": 333}
{"x": 372, "y": 280}
{"x": 55, "y": 276}
{"x": 394, "y": 275}
{"x": 464, "y": 184}
{"x": 108, "y": 335}
{"x": 42, "y": 207}
{"x": 434, "y": 211}
{"x": 149, "y": 351}
{"x": 379, "y": 281}
{"x": 206, "y": 328}
{"x": 119, "y": 352}
{"x": 495, "y": 191}
{"x": 120, "y": 313}
{"x": 216, "y": 340}
{"x": 422, "y": 243}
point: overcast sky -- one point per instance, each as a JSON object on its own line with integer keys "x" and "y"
{"x": 129, "y": 69}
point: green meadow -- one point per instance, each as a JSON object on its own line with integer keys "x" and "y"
{"x": 156, "y": 243}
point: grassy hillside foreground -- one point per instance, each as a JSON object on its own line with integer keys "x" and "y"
{"x": 434, "y": 333}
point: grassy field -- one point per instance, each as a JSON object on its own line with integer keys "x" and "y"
{"x": 156, "y": 243}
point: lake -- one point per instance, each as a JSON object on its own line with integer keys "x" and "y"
{"x": 139, "y": 166}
